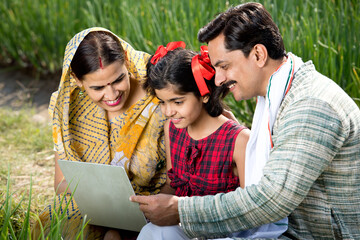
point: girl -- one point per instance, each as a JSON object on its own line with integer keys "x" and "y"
{"x": 205, "y": 151}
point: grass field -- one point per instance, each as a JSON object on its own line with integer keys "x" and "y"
{"x": 26, "y": 157}
{"x": 323, "y": 31}
{"x": 37, "y": 31}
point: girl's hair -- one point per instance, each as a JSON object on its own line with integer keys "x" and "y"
{"x": 175, "y": 69}
{"x": 97, "y": 50}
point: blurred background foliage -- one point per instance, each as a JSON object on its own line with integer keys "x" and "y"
{"x": 34, "y": 33}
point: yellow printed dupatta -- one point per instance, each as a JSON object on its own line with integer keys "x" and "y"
{"x": 81, "y": 131}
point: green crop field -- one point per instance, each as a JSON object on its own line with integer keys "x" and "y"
{"x": 33, "y": 38}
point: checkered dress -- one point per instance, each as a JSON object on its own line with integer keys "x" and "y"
{"x": 203, "y": 167}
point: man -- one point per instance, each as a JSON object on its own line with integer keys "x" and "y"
{"x": 305, "y": 138}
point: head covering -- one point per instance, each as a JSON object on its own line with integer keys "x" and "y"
{"x": 81, "y": 131}
{"x": 67, "y": 97}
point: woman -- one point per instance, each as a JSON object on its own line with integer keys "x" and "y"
{"x": 101, "y": 114}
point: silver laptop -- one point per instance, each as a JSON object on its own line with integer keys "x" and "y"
{"x": 102, "y": 194}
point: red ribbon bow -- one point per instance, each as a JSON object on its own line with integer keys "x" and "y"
{"x": 162, "y": 51}
{"x": 201, "y": 68}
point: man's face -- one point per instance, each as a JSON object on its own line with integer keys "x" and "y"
{"x": 240, "y": 74}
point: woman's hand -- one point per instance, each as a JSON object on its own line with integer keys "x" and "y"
{"x": 60, "y": 184}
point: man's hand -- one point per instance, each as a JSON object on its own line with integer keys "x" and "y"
{"x": 230, "y": 115}
{"x": 160, "y": 209}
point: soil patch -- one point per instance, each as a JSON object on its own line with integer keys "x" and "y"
{"x": 19, "y": 90}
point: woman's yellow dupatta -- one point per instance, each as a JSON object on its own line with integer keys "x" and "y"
{"x": 81, "y": 132}
{"x": 80, "y": 129}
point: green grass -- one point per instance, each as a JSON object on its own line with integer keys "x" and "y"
{"x": 26, "y": 155}
{"x": 17, "y": 217}
{"x": 323, "y": 31}
{"x": 17, "y": 130}
{"x": 26, "y": 175}
{"x": 14, "y": 218}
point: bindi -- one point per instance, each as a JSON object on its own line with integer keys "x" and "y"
{"x": 101, "y": 65}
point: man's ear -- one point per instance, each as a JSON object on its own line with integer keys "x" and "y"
{"x": 260, "y": 54}
{"x": 77, "y": 81}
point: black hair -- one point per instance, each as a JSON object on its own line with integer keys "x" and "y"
{"x": 244, "y": 26}
{"x": 94, "y": 46}
{"x": 175, "y": 69}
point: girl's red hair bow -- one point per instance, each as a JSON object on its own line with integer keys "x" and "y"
{"x": 162, "y": 51}
{"x": 201, "y": 68}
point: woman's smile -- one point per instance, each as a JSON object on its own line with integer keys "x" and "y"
{"x": 114, "y": 102}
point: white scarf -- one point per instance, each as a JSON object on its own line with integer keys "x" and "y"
{"x": 260, "y": 142}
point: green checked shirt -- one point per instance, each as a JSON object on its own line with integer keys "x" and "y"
{"x": 312, "y": 176}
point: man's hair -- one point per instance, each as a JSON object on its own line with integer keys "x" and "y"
{"x": 244, "y": 26}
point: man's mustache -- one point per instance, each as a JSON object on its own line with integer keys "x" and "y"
{"x": 227, "y": 84}
{"x": 223, "y": 89}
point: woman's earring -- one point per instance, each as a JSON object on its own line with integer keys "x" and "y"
{"x": 81, "y": 93}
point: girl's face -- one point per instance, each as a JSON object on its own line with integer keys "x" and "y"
{"x": 109, "y": 87}
{"x": 182, "y": 109}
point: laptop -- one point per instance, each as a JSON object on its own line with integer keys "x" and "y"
{"x": 102, "y": 194}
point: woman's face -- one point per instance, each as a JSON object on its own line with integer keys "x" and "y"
{"x": 108, "y": 87}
